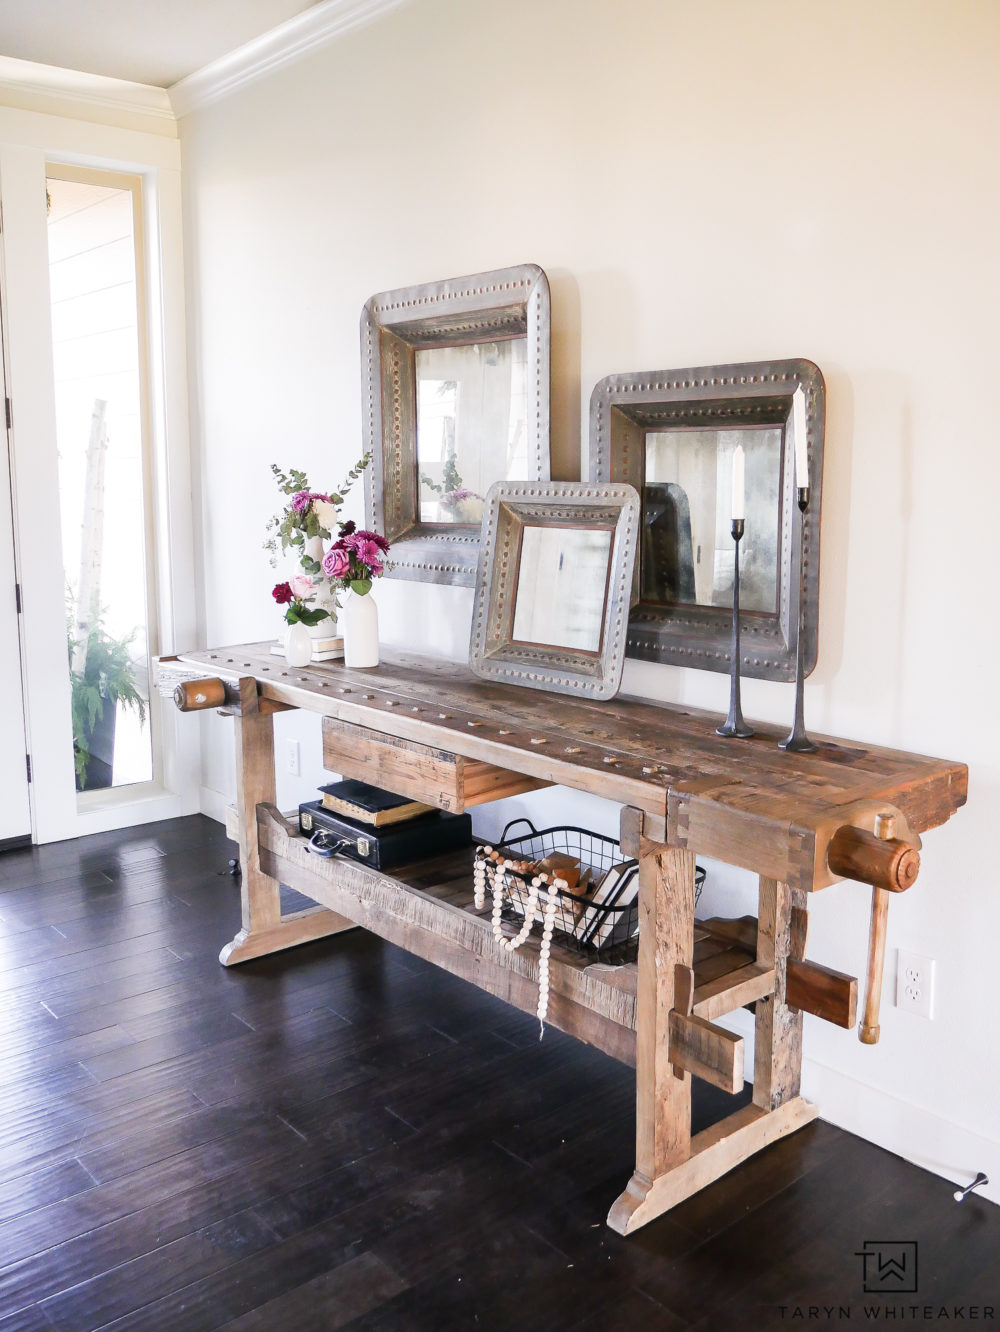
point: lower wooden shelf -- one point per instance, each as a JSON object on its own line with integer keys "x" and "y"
{"x": 428, "y": 909}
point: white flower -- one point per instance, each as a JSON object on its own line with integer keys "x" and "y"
{"x": 326, "y": 513}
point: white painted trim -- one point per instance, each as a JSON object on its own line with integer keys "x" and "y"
{"x": 122, "y": 810}
{"x": 70, "y": 91}
{"x": 27, "y": 141}
{"x": 917, "y": 1134}
{"x": 213, "y": 804}
{"x": 936, "y": 1144}
{"x": 281, "y": 46}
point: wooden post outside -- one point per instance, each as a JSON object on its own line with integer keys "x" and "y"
{"x": 778, "y": 1040}
{"x": 663, "y": 1101}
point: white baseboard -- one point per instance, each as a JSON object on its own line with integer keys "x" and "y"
{"x": 213, "y": 804}
{"x": 122, "y": 808}
{"x": 917, "y": 1135}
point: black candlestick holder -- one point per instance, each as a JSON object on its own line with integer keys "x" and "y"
{"x": 796, "y": 741}
{"x": 734, "y": 724}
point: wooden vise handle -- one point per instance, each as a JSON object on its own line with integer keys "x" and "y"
{"x": 193, "y": 695}
{"x": 890, "y": 866}
{"x": 884, "y": 862}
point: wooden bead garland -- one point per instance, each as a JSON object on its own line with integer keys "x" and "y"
{"x": 499, "y": 878}
{"x": 479, "y": 878}
{"x": 548, "y": 925}
{"x": 510, "y": 945}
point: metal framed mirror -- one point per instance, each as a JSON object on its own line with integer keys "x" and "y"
{"x": 554, "y": 584}
{"x": 456, "y": 382}
{"x": 672, "y": 434}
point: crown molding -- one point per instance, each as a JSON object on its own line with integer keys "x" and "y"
{"x": 88, "y": 96}
{"x": 283, "y": 45}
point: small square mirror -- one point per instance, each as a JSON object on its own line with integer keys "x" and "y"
{"x": 553, "y": 585}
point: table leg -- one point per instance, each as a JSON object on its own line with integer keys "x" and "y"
{"x": 663, "y": 1101}
{"x": 670, "y": 1164}
{"x": 778, "y": 1028}
{"x": 264, "y": 930}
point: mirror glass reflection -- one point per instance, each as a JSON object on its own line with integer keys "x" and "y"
{"x": 562, "y": 586}
{"x": 687, "y": 546}
{"x": 472, "y": 407}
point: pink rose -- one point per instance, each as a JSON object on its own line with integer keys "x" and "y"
{"x": 336, "y": 563}
{"x": 302, "y": 586}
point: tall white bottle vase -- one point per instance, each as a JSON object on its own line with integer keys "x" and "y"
{"x": 359, "y": 624}
{"x": 325, "y": 598}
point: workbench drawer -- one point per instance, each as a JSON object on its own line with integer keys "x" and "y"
{"x": 447, "y": 781}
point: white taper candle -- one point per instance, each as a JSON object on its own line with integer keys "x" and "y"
{"x": 739, "y": 493}
{"x": 799, "y": 433}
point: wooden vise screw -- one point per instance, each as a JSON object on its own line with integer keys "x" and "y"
{"x": 890, "y": 866}
{"x": 193, "y": 695}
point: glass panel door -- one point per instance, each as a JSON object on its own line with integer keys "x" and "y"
{"x": 96, "y": 294}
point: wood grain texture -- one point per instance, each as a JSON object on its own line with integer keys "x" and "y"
{"x": 828, "y": 994}
{"x": 295, "y": 928}
{"x": 726, "y": 993}
{"x": 855, "y": 853}
{"x": 650, "y": 748}
{"x": 778, "y": 1029}
{"x": 707, "y": 1051}
{"x": 451, "y": 937}
{"x": 666, "y": 930}
{"x": 713, "y": 1152}
{"x": 868, "y": 1032}
{"x": 254, "y": 737}
{"x": 422, "y": 772}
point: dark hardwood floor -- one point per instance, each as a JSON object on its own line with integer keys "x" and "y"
{"x": 342, "y": 1136}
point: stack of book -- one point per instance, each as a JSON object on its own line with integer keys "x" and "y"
{"x": 323, "y": 649}
{"x": 380, "y": 828}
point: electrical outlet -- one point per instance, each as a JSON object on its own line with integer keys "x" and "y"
{"x": 293, "y": 761}
{"x": 915, "y": 984}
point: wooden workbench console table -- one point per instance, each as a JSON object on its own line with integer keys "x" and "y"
{"x": 431, "y": 730}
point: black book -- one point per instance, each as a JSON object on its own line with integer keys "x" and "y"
{"x": 370, "y": 804}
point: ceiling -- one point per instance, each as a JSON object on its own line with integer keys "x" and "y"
{"x": 145, "y": 41}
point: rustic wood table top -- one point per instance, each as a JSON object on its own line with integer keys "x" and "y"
{"x": 628, "y": 749}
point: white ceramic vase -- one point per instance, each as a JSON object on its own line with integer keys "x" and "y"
{"x": 326, "y": 628}
{"x": 298, "y": 645}
{"x": 359, "y": 625}
{"x": 325, "y": 598}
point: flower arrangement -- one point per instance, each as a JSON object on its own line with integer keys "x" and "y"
{"x": 356, "y": 558}
{"x": 307, "y": 514}
{"x": 293, "y": 595}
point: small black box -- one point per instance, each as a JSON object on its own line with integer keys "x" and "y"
{"x": 384, "y": 848}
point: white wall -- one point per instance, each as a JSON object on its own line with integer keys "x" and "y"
{"x": 702, "y": 183}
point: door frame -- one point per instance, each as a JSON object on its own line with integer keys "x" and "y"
{"x": 19, "y": 804}
{"x": 28, "y": 144}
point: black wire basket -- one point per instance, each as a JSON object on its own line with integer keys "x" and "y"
{"x": 604, "y": 925}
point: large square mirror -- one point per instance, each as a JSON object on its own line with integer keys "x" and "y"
{"x": 457, "y": 398}
{"x": 554, "y": 585}
{"x": 672, "y": 434}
